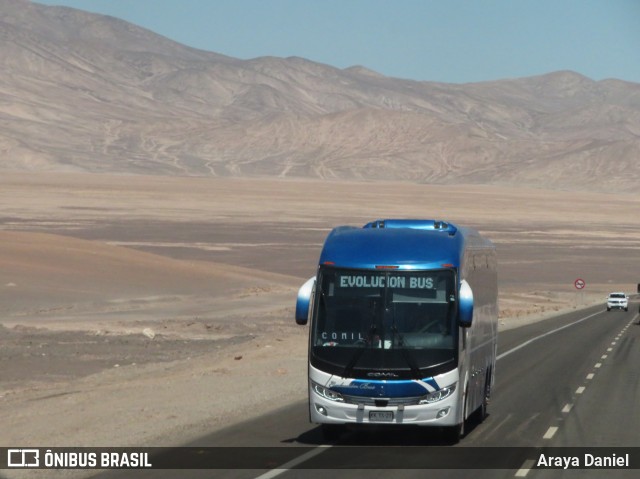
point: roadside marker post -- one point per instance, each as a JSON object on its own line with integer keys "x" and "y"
{"x": 580, "y": 285}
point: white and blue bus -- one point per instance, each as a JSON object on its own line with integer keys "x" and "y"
{"x": 403, "y": 326}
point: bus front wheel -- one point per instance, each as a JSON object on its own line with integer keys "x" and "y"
{"x": 453, "y": 434}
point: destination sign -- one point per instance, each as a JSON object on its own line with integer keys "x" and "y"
{"x": 379, "y": 281}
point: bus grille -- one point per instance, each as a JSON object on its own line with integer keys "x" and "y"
{"x": 380, "y": 402}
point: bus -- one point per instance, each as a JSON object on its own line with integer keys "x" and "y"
{"x": 402, "y": 318}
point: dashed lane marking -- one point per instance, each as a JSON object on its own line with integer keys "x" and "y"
{"x": 526, "y": 467}
{"x": 529, "y": 464}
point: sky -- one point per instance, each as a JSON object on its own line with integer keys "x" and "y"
{"x": 451, "y": 41}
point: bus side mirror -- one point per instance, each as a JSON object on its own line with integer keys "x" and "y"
{"x": 465, "y": 306}
{"x": 304, "y": 300}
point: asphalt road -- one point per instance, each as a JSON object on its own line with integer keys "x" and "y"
{"x": 570, "y": 381}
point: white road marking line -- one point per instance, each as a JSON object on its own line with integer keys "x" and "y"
{"x": 604, "y": 356}
{"x": 526, "y": 343}
{"x": 526, "y": 467}
{"x": 609, "y": 350}
{"x": 567, "y": 408}
{"x": 294, "y": 462}
{"x": 550, "y": 432}
{"x": 580, "y": 390}
{"x": 590, "y": 376}
{"x": 598, "y": 365}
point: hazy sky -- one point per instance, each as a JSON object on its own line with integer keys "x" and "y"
{"x": 453, "y": 41}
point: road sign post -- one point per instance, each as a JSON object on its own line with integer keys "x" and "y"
{"x": 580, "y": 285}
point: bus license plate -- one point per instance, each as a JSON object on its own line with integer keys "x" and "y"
{"x": 380, "y": 416}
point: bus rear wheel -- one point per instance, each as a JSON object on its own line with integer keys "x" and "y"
{"x": 483, "y": 410}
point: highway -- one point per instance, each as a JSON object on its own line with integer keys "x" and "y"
{"x": 568, "y": 381}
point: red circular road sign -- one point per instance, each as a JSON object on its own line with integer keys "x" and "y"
{"x": 579, "y": 283}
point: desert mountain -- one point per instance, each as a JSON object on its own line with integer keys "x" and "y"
{"x": 86, "y": 92}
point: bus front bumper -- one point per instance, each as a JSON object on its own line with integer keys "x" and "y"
{"x": 441, "y": 413}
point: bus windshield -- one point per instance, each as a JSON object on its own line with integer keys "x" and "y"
{"x": 408, "y": 314}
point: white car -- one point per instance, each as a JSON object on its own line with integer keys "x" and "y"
{"x": 617, "y": 301}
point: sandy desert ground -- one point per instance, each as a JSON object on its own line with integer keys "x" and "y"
{"x": 131, "y": 306}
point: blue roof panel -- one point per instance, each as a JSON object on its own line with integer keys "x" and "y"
{"x": 408, "y": 246}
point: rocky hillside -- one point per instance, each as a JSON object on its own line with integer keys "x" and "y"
{"x": 86, "y": 92}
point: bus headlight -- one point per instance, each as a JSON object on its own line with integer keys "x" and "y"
{"x": 438, "y": 395}
{"x": 327, "y": 393}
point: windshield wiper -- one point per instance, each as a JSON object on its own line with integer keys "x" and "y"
{"x": 348, "y": 369}
{"x": 408, "y": 357}
{"x": 354, "y": 359}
